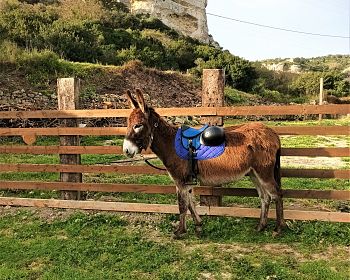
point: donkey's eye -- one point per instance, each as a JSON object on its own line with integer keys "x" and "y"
{"x": 137, "y": 127}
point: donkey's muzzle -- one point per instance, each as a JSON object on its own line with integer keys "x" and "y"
{"x": 129, "y": 148}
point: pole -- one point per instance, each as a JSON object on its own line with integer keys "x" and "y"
{"x": 68, "y": 96}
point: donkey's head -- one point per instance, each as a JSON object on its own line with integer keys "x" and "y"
{"x": 139, "y": 133}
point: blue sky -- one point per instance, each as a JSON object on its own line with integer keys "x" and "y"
{"x": 256, "y": 43}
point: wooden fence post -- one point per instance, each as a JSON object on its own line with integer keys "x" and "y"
{"x": 68, "y": 98}
{"x": 321, "y": 97}
{"x": 213, "y": 86}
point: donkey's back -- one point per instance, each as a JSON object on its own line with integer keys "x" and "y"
{"x": 249, "y": 148}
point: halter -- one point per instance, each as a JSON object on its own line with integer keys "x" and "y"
{"x": 155, "y": 125}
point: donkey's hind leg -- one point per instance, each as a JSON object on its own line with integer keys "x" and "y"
{"x": 271, "y": 191}
{"x": 265, "y": 200}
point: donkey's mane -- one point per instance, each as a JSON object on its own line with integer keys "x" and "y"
{"x": 154, "y": 117}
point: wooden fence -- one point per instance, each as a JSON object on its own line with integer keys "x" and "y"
{"x": 29, "y": 136}
{"x": 32, "y": 133}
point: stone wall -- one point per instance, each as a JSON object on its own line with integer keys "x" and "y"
{"x": 185, "y": 16}
{"x": 22, "y": 99}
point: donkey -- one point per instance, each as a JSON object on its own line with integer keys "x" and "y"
{"x": 252, "y": 149}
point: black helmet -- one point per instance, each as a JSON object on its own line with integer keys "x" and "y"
{"x": 213, "y": 136}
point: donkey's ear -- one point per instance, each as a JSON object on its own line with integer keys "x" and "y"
{"x": 141, "y": 100}
{"x": 132, "y": 100}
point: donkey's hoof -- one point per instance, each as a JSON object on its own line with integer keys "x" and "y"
{"x": 278, "y": 230}
{"x": 198, "y": 231}
{"x": 260, "y": 227}
{"x": 179, "y": 233}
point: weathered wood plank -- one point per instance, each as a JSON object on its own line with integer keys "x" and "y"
{"x": 102, "y": 113}
{"x": 98, "y": 187}
{"x": 312, "y": 130}
{"x": 316, "y": 173}
{"x": 172, "y": 209}
{"x": 168, "y": 189}
{"x": 37, "y": 150}
{"x": 142, "y": 169}
{"x": 101, "y": 131}
{"x": 315, "y": 152}
{"x": 341, "y": 109}
{"x": 79, "y": 168}
{"x": 58, "y": 131}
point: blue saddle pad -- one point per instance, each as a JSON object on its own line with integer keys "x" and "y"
{"x": 190, "y": 132}
{"x": 202, "y": 152}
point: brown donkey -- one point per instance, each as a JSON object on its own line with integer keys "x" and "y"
{"x": 252, "y": 149}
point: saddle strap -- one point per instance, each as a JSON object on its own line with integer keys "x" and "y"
{"x": 193, "y": 165}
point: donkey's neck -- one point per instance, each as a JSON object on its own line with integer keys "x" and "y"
{"x": 163, "y": 139}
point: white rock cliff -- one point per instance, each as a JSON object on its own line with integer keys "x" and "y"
{"x": 185, "y": 16}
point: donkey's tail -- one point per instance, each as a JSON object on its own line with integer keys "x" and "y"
{"x": 277, "y": 169}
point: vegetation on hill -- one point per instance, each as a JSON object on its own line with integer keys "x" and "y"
{"x": 104, "y": 32}
{"x": 320, "y": 64}
{"x": 334, "y": 69}
{"x": 46, "y": 39}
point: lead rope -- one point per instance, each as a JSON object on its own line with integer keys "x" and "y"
{"x": 152, "y": 165}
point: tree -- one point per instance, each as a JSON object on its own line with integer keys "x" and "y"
{"x": 240, "y": 73}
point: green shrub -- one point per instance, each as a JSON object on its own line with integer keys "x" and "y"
{"x": 9, "y": 52}
{"x": 75, "y": 40}
{"x": 23, "y": 24}
{"x": 274, "y": 96}
{"x": 240, "y": 73}
{"x": 39, "y": 66}
{"x": 234, "y": 96}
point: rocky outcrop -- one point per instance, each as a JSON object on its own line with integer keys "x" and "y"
{"x": 185, "y": 16}
{"x": 284, "y": 66}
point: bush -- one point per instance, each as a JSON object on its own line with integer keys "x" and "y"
{"x": 39, "y": 66}
{"x": 274, "y": 96}
{"x": 240, "y": 73}
{"x": 234, "y": 96}
{"x": 9, "y": 52}
{"x": 75, "y": 40}
{"x": 23, "y": 24}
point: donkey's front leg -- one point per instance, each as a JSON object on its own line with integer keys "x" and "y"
{"x": 183, "y": 202}
{"x": 197, "y": 220}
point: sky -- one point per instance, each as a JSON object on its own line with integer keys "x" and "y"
{"x": 331, "y": 17}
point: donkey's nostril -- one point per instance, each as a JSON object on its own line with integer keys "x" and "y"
{"x": 129, "y": 148}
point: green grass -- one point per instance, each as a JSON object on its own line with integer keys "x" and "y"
{"x": 310, "y": 141}
{"x": 56, "y": 244}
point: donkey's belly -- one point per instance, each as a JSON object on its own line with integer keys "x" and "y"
{"x": 214, "y": 179}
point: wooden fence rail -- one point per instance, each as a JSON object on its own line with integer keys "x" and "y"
{"x": 341, "y": 109}
{"x": 173, "y": 209}
{"x": 147, "y": 170}
{"x": 117, "y": 150}
{"x": 168, "y": 189}
{"x": 103, "y": 131}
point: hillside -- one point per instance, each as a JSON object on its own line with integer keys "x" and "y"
{"x": 100, "y": 42}
{"x": 102, "y": 87}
